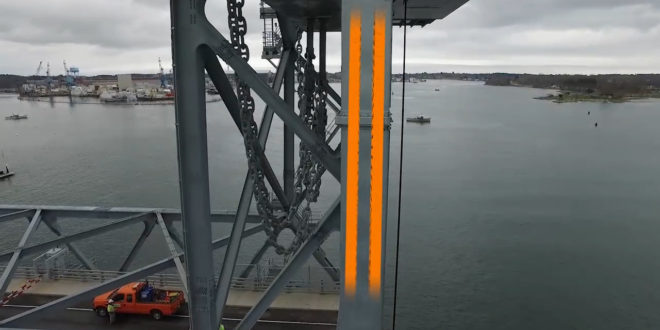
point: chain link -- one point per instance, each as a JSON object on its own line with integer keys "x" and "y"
{"x": 312, "y": 110}
{"x": 311, "y": 104}
{"x": 272, "y": 221}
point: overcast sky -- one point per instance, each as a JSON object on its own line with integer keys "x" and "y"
{"x": 535, "y": 36}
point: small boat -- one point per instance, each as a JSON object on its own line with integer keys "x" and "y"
{"x": 418, "y": 119}
{"x": 437, "y": 89}
{"x": 16, "y": 117}
{"x": 6, "y": 175}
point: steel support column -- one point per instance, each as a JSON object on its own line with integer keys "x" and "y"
{"x": 322, "y": 53}
{"x": 16, "y": 256}
{"x": 148, "y": 227}
{"x": 288, "y": 38}
{"x": 327, "y": 225}
{"x": 366, "y": 47}
{"x": 192, "y": 150}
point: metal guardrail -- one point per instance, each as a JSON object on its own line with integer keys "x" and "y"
{"x": 314, "y": 281}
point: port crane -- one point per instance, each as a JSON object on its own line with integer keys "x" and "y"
{"x": 69, "y": 74}
{"x": 161, "y": 75}
{"x": 39, "y": 68}
{"x": 48, "y": 78}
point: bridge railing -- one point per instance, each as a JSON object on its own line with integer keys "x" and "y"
{"x": 313, "y": 280}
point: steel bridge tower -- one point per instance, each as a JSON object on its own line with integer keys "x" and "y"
{"x": 359, "y": 161}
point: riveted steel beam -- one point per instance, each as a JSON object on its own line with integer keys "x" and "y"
{"x": 192, "y": 151}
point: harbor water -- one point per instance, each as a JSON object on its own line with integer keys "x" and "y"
{"x": 516, "y": 214}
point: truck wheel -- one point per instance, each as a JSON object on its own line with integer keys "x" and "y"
{"x": 102, "y": 312}
{"x": 156, "y": 314}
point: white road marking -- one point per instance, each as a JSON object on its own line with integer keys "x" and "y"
{"x": 186, "y": 316}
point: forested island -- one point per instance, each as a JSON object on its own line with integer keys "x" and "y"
{"x": 568, "y": 88}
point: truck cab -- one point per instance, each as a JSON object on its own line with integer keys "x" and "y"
{"x": 140, "y": 298}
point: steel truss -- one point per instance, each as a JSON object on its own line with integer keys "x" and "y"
{"x": 118, "y": 218}
{"x": 196, "y": 47}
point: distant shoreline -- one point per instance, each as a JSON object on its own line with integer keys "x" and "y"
{"x": 612, "y": 88}
{"x": 568, "y": 97}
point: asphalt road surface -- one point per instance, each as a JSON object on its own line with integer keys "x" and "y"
{"x": 83, "y": 318}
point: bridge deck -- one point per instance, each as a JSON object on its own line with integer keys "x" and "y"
{"x": 237, "y": 298}
{"x": 293, "y": 310}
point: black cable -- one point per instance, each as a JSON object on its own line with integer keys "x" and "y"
{"x": 403, "y": 112}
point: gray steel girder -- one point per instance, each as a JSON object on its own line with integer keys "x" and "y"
{"x": 93, "y": 212}
{"x": 192, "y": 156}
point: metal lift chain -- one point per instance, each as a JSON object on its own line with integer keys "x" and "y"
{"x": 309, "y": 172}
{"x": 311, "y": 105}
{"x": 238, "y": 29}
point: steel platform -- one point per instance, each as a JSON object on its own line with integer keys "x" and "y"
{"x": 420, "y": 12}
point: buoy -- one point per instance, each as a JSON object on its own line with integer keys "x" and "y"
{"x": 596, "y": 124}
{"x": 589, "y": 113}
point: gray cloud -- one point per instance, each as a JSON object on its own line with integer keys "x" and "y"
{"x": 483, "y": 36}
